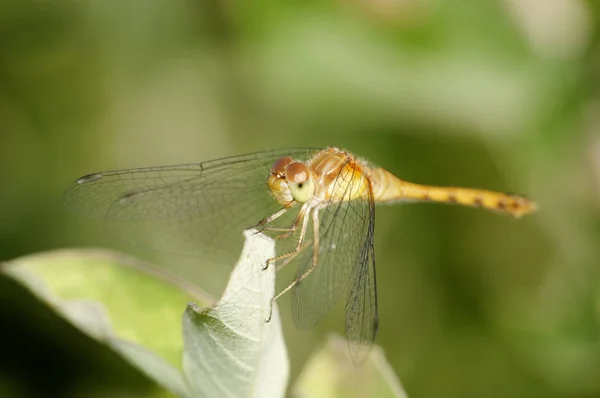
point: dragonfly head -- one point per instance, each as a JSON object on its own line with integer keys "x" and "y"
{"x": 291, "y": 182}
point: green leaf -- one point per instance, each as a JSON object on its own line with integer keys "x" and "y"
{"x": 330, "y": 373}
{"x": 230, "y": 351}
{"x": 106, "y": 296}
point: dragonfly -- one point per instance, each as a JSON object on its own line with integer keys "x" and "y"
{"x": 319, "y": 205}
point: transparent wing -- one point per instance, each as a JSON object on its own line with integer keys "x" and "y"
{"x": 194, "y": 209}
{"x": 346, "y": 265}
{"x": 362, "y": 318}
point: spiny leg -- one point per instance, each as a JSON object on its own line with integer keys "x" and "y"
{"x": 261, "y": 225}
{"x": 304, "y": 217}
{"x": 287, "y": 231}
{"x": 316, "y": 236}
{"x": 315, "y": 259}
{"x": 315, "y": 262}
{"x": 290, "y": 258}
{"x": 289, "y": 255}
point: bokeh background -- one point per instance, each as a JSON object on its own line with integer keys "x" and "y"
{"x": 499, "y": 94}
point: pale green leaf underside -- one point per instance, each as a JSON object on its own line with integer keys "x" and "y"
{"x": 230, "y": 351}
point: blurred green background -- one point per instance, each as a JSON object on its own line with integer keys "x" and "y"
{"x": 495, "y": 94}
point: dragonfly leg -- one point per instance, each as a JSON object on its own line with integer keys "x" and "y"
{"x": 261, "y": 225}
{"x": 315, "y": 260}
{"x": 298, "y": 247}
{"x": 316, "y": 235}
{"x": 294, "y": 253}
{"x": 288, "y": 231}
{"x": 290, "y": 258}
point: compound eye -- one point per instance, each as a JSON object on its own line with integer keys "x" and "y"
{"x": 300, "y": 181}
{"x": 279, "y": 166}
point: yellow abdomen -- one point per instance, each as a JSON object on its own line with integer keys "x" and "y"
{"x": 389, "y": 188}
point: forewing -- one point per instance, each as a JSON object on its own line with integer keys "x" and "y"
{"x": 195, "y": 209}
{"x": 345, "y": 266}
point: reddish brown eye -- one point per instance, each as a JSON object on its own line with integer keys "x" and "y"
{"x": 297, "y": 172}
{"x": 280, "y": 164}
